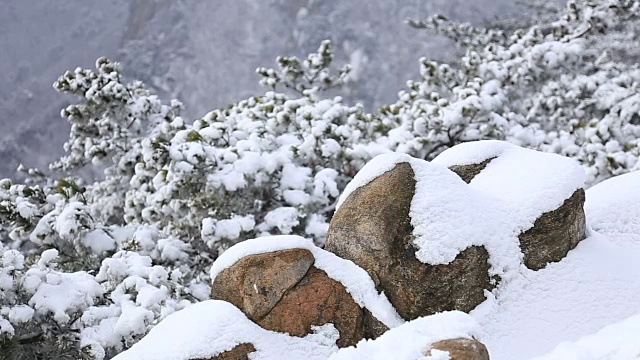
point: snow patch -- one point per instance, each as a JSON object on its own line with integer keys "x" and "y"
{"x": 613, "y": 207}
{"x": 595, "y": 285}
{"x": 211, "y": 327}
{"x": 411, "y": 340}
{"x": 614, "y": 342}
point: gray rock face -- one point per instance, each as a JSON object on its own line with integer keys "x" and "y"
{"x": 468, "y": 172}
{"x": 373, "y": 229}
{"x": 555, "y": 233}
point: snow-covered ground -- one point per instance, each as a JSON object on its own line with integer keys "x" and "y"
{"x": 597, "y": 284}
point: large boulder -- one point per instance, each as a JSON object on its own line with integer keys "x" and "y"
{"x": 372, "y": 228}
{"x": 283, "y": 291}
{"x": 555, "y": 231}
{"x": 461, "y": 349}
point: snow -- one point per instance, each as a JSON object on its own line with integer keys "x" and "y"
{"x": 533, "y": 182}
{"x": 211, "y": 327}
{"x": 613, "y": 207}
{"x": 99, "y": 241}
{"x": 63, "y": 293}
{"x": 614, "y": 342}
{"x": 356, "y": 280}
{"x": 411, "y": 340}
{"x": 595, "y": 285}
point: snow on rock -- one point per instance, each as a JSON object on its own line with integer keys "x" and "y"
{"x": 533, "y": 182}
{"x": 504, "y": 200}
{"x": 411, "y": 340}
{"x": 211, "y": 327}
{"x": 614, "y": 342}
{"x": 597, "y": 284}
{"x": 356, "y": 280}
{"x": 441, "y": 205}
{"x": 613, "y": 207}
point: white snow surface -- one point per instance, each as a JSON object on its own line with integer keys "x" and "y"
{"x": 411, "y": 340}
{"x": 355, "y": 279}
{"x": 614, "y": 342}
{"x": 597, "y": 284}
{"x": 613, "y": 207}
{"x": 533, "y": 182}
{"x": 211, "y": 327}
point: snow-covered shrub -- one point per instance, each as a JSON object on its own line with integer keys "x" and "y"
{"x": 139, "y": 241}
{"x": 547, "y": 87}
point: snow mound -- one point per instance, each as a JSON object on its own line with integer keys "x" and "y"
{"x": 613, "y": 207}
{"x": 533, "y": 182}
{"x": 355, "y": 279}
{"x": 410, "y": 340}
{"x": 211, "y": 327}
{"x": 620, "y": 341}
{"x": 595, "y": 285}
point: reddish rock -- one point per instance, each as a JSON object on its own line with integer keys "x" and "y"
{"x": 256, "y": 283}
{"x": 282, "y": 291}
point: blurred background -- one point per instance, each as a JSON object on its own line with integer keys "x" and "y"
{"x": 203, "y": 53}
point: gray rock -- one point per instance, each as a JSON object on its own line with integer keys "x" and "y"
{"x": 555, "y": 233}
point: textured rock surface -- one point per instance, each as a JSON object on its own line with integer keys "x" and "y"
{"x": 372, "y": 228}
{"x": 256, "y": 283}
{"x": 282, "y": 291}
{"x": 461, "y": 349}
{"x": 554, "y": 233}
{"x": 317, "y": 300}
{"x": 240, "y": 352}
{"x": 468, "y": 172}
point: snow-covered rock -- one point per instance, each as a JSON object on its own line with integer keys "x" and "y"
{"x": 435, "y": 243}
{"x": 544, "y": 191}
{"x": 374, "y": 227}
{"x": 413, "y": 340}
{"x": 355, "y": 280}
{"x": 282, "y": 291}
